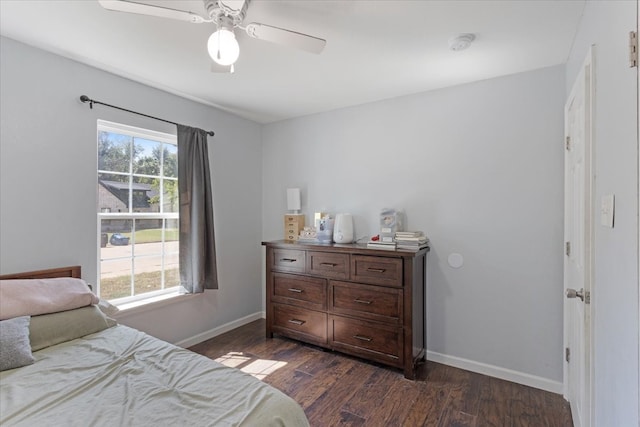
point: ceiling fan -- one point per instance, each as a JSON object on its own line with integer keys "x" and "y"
{"x": 227, "y": 15}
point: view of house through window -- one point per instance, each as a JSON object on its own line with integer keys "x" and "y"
{"x": 137, "y": 212}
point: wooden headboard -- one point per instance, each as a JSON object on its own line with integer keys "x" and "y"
{"x": 73, "y": 271}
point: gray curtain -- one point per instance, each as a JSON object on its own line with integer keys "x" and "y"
{"x": 198, "y": 269}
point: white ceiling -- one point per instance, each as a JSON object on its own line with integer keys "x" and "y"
{"x": 375, "y": 49}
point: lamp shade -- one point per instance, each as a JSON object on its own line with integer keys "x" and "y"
{"x": 293, "y": 199}
{"x": 223, "y": 47}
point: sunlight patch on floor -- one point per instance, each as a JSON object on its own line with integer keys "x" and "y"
{"x": 232, "y": 359}
{"x": 259, "y": 368}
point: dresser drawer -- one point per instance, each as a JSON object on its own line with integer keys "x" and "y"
{"x": 368, "y": 339}
{"x": 376, "y": 270}
{"x": 293, "y": 220}
{"x": 309, "y": 292}
{"x": 331, "y": 265}
{"x": 288, "y": 260}
{"x": 366, "y": 301}
{"x": 307, "y": 325}
{"x": 291, "y": 234}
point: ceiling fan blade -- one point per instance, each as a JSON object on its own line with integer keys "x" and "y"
{"x": 145, "y": 9}
{"x": 285, "y": 37}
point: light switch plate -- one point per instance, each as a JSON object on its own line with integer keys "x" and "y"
{"x": 607, "y": 210}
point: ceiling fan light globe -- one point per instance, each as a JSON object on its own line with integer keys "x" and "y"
{"x": 223, "y": 47}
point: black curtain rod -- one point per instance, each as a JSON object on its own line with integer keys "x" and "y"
{"x": 85, "y": 99}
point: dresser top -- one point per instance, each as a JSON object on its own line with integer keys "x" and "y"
{"x": 341, "y": 247}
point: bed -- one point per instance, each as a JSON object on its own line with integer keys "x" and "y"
{"x": 119, "y": 376}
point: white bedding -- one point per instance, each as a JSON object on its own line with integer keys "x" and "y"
{"x": 123, "y": 377}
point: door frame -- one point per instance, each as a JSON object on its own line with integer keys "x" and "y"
{"x": 588, "y": 65}
{"x": 637, "y": 29}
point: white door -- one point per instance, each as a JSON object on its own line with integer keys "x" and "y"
{"x": 638, "y": 172}
{"x": 578, "y": 247}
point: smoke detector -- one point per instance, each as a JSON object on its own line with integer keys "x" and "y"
{"x": 461, "y": 42}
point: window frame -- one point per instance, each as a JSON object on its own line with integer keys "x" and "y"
{"x": 155, "y": 136}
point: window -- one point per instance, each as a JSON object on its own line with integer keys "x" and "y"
{"x": 137, "y": 213}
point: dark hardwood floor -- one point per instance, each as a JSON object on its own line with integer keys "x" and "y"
{"x": 334, "y": 389}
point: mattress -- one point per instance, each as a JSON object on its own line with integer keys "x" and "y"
{"x": 124, "y": 377}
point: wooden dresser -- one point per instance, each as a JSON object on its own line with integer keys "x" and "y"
{"x": 365, "y": 302}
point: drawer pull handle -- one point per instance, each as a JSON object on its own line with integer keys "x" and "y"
{"x": 361, "y": 338}
{"x": 288, "y": 259}
{"x": 298, "y": 291}
{"x": 328, "y": 264}
{"x": 297, "y": 322}
{"x": 361, "y": 301}
{"x": 376, "y": 270}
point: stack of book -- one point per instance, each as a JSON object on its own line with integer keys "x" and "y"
{"x": 411, "y": 240}
{"x": 378, "y": 244}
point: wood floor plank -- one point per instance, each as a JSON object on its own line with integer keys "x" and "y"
{"x": 287, "y": 378}
{"x": 338, "y": 390}
{"x": 429, "y": 406}
{"x": 562, "y": 417}
{"x": 371, "y": 393}
{"x": 335, "y": 396}
{"x": 494, "y": 407}
{"x": 470, "y": 393}
{"x": 453, "y": 414}
{"x": 396, "y": 405}
{"x": 320, "y": 379}
{"x": 349, "y": 419}
{"x": 542, "y": 412}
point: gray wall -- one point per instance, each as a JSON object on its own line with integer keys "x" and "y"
{"x": 615, "y": 293}
{"x": 48, "y": 181}
{"x": 479, "y": 168}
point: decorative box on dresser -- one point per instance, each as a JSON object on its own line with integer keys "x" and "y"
{"x": 293, "y": 224}
{"x": 365, "y": 302}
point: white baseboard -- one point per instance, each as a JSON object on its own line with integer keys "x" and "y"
{"x": 219, "y": 330}
{"x": 497, "y": 372}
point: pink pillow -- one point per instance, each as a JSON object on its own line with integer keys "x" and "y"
{"x": 30, "y": 297}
